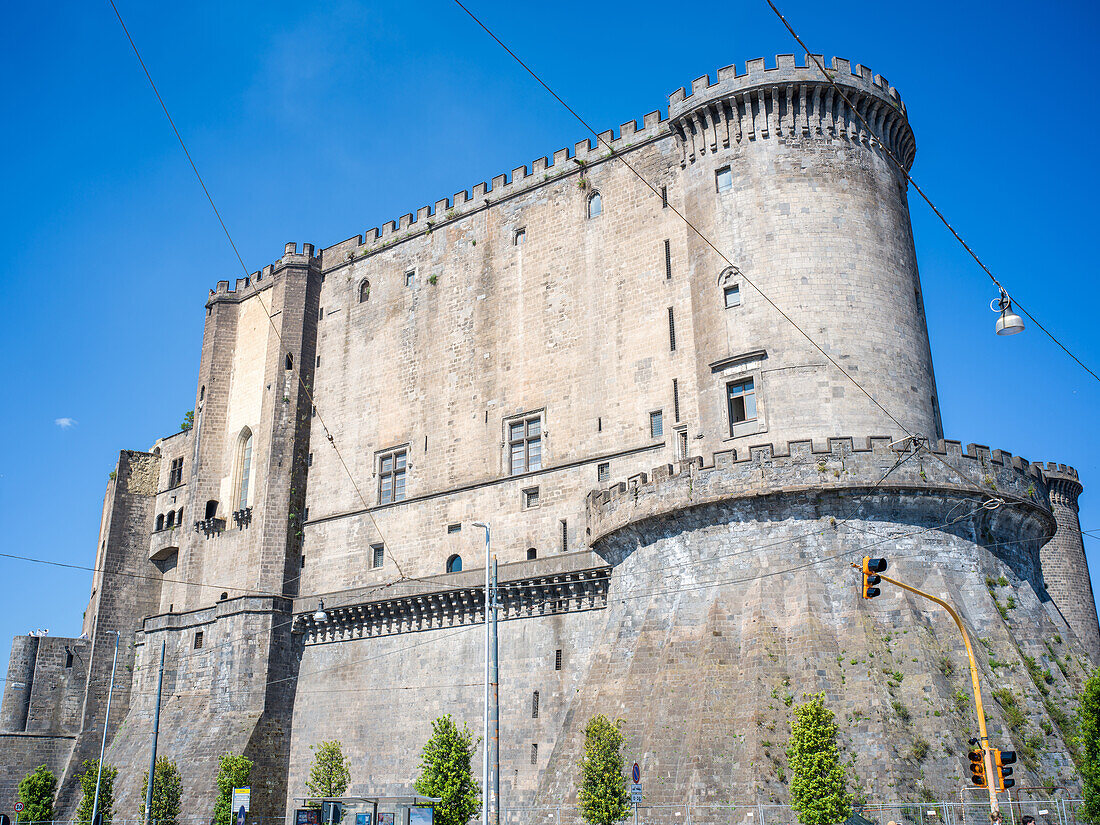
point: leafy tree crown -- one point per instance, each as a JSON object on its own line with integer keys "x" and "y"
{"x": 90, "y": 768}
{"x": 329, "y": 774}
{"x": 819, "y": 793}
{"x": 233, "y": 772}
{"x": 167, "y": 790}
{"x": 603, "y": 794}
{"x": 36, "y": 791}
{"x": 445, "y": 772}
{"x": 1088, "y": 718}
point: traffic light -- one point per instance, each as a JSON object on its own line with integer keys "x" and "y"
{"x": 870, "y": 568}
{"x": 977, "y": 768}
{"x": 1001, "y": 759}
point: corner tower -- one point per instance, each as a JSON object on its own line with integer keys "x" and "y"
{"x": 804, "y": 200}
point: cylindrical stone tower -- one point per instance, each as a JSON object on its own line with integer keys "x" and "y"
{"x": 1065, "y": 569}
{"x": 804, "y": 201}
{"x": 17, "y": 689}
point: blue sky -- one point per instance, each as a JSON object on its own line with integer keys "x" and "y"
{"x": 317, "y": 124}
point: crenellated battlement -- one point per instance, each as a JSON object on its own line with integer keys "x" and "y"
{"x": 544, "y": 170}
{"x": 789, "y": 100}
{"x": 261, "y": 279}
{"x": 844, "y": 464}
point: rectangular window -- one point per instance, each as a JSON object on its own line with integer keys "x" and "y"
{"x": 732, "y": 295}
{"x": 175, "y": 473}
{"x": 534, "y": 754}
{"x": 198, "y": 640}
{"x": 377, "y": 555}
{"x": 410, "y": 278}
{"x": 309, "y": 460}
{"x": 557, "y": 659}
{"x": 676, "y": 400}
{"x": 603, "y": 471}
{"x": 741, "y": 397}
{"x": 664, "y": 197}
{"x": 530, "y": 498}
{"x": 391, "y": 477}
{"x": 564, "y": 535}
{"x": 305, "y": 514}
{"x": 318, "y": 360}
{"x": 656, "y": 424}
{"x": 535, "y": 705}
{"x": 519, "y": 238}
{"x": 668, "y": 260}
{"x": 682, "y": 443}
{"x": 454, "y": 528}
{"x": 671, "y": 331}
{"x": 525, "y": 444}
{"x": 723, "y": 179}
{"x": 321, "y": 314}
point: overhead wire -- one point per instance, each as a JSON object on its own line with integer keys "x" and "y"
{"x": 920, "y": 191}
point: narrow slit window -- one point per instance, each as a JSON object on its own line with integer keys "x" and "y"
{"x": 535, "y": 705}
{"x": 741, "y": 398}
{"x": 519, "y": 238}
{"x": 656, "y": 424}
{"x": 668, "y": 260}
{"x": 534, "y": 754}
{"x": 671, "y": 330}
{"x": 564, "y": 535}
{"x": 723, "y": 179}
{"x": 198, "y": 640}
{"x": 321, "y": 314}
{"x": 595, "y": 205}
{"x": 557, "y": 659}
{"x": 410, "y": 278}
{"x": 664, "y": 197}
{"x": 732, "y": 296}
{"x": 603, "y": 471}
{"x": 364, "y": 291}
{"x": 676, "y": 400}
{"x": 682, "y": 443}
{"x": 378, "y": 555}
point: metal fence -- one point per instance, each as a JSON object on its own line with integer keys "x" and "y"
{"x": 1045, "y": 812}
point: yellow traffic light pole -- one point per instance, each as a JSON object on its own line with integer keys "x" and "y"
{"x": 990, "y": 773}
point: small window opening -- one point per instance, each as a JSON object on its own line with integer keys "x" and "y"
{"x": 676, "y": 400}
{"x": 519, "y": 238}
{"x": 223, "y": 597}
{"x": 564, "y": 535}
{"x": 179, "y": 517}
{"x": 682, "y": 443}
{"x": 603, "y": 471}
{"x": 378, "y": 555}
{"x": 202, "y": 392}
{"x": 321, "y": 314}
{"x": 557, "y": 659}
{"x": 454, "y": 528}
{"x": 668, "y": 260}
{"x": 364, "y": 291}
{"x": 68, "y": 658}
{"x": 309, "y": 460}
{"x": 664, "y": 197}
{"x": 657, "y": 424}
{"x": 170, "y": 522}
{"x": 302, "y": 566}
{"x": 318, "y": 360}
{"x": 530, "y": 498}
{"x": 198, "y": 640}
{"x": 595, "y": 205}
{"x": 534, "y": 754}
{"x": 599, "y": 424}
{"x": 454, "y": 564}
{"x": 741, "y": 398}
{"x": 732, "y": 295}
{"x": 532, "y": 553}
{"x": 410, "y": 278}
{"x": 723, "y": 179}
{"x": 160, "y": 522}
{"x": 535, "y": 705}
{"x": 671, "y": 330}
{"x": 211, "y": 509}
{"x": 289, "y": 361}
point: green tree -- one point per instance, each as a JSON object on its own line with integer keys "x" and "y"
{"x": 329, "y": 775}
{"x": 445, "y": 772}
{"x": 167, "y": 789}
{"x": 233, "y": 772}
{"x": 818, "y": 784}
{"x": 36, "y": 791}
{"x": 603, "y": 795}
{"x": 188, "y": 420}
{"x": 1088, "y": 719}
{"x": 90, "y": 767}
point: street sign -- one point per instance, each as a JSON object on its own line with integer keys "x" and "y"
{"x": 636, "y": 774}
{"x": 18, "y": 807}
{"x": 635, "y": 794}
{"x": 240, "y": 815}
{"x": 241, "y": 798}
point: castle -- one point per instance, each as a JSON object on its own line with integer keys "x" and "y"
{"x": 525, "y": 355}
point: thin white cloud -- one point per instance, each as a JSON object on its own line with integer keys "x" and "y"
{"x": 65, "y": 423}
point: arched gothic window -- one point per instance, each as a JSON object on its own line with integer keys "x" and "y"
{"x": 364, "y": 290}
{"x": 170, "y": 522}
{"x": 160, "y": 522}
{"x": 454, "y": 564}
{"x": 595, "y": 205}
{"x": 244, "y": 467}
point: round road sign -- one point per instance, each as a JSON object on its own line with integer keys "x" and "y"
{"x": 18, "y": 807}
{"x": 636, "y": 773}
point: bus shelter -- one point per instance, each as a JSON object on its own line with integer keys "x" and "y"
{"x": 366, "y": 810}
